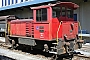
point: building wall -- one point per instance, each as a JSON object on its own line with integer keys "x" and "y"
{"x": 83, "y": 15}
{"x": 9, "y": 4}
{"x": 4, "y": 3}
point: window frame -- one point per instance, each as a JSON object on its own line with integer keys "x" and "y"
{"x": 12, "y": 2}
{"x": 16, "y": 1}
{"x": 40, "y": 14}
{"x": 71, "y": 12}
{"x": 56, "y": 12}
{"x": 21, "y": 0}
{"x": 26, "y": 0}
{"x": 5, "y": 2}
{"x": 8, "y": 2}
{"x": 64, "y": 11}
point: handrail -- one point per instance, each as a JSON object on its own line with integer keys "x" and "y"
{"x": 8, "y": 28}
{"x": 80, "y": 29}
{"x": 58, "y": 31}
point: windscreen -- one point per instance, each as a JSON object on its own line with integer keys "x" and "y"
{"x": 63, "y": 11}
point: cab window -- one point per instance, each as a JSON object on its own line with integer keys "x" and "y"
{"x": 41, "y": 14}
{"x": 56, "y": 11}
{"x": 63, "y": 11}
{"x": 69, "y": 13}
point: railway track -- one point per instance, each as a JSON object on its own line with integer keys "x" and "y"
{"x": 35, "y": 55}
{"x": 81, "y": 57}
{"x": 85, "y": 53}
{"x": 40, "y": 55}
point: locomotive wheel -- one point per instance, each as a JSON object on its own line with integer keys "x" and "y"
{"x": 79, "y": 45}
{"x": 13, "y": 44}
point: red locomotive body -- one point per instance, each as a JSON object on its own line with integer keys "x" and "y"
{"x": 52, "y": 29}
{"x": 48, "y": 32}
{"x": 47, "y": 28}
{"x": 21, "y": 27}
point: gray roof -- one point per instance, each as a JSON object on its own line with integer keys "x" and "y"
{"x": 8, "y": 17}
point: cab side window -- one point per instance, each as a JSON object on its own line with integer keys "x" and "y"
{"x": 70, "y": 13}
{"x": 63, "y": 12}
{"x": 41, "y": 15}
{"x": 56, "y": 11}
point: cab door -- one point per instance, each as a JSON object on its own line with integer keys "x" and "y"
{"x": 41, "y": 26}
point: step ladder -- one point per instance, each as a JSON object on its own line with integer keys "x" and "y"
{"x": 32, "y": 30}
{"x": 54, "y": 48}
{"x": 27, "y": 29}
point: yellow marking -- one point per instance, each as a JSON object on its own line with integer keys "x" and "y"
{"x": 5, "y": 29}
{"x": 8, "y": 28}
{"x": 49, "y": 30}
{"x": 80, "y": 29}
{"x": 58, "y": 31}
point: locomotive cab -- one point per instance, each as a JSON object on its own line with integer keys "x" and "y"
{"x": 47, "y": 21}
{"x": 63, "y": 21}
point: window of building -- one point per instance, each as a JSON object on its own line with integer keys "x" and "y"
{"x": 2, "y": 3}
{"x": 41, "y": 14}
{"x": 12, "y": 1}
{"x": 21, "y": 0}
{"x": 26, "y": 0}
{"x": 8, "y": 2}
{"x": 16, "y": 1}
{"x": 5, "y": 2}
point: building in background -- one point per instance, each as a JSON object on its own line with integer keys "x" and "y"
{"x": 20, "y": 8}
{"x": 83, "y": 14}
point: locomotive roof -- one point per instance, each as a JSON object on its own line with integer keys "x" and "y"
{"x": 7, "y": 17}
{"x": 68, "y": 4}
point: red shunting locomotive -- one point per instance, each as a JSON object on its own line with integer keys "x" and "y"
{"x": 52, "y": 29}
